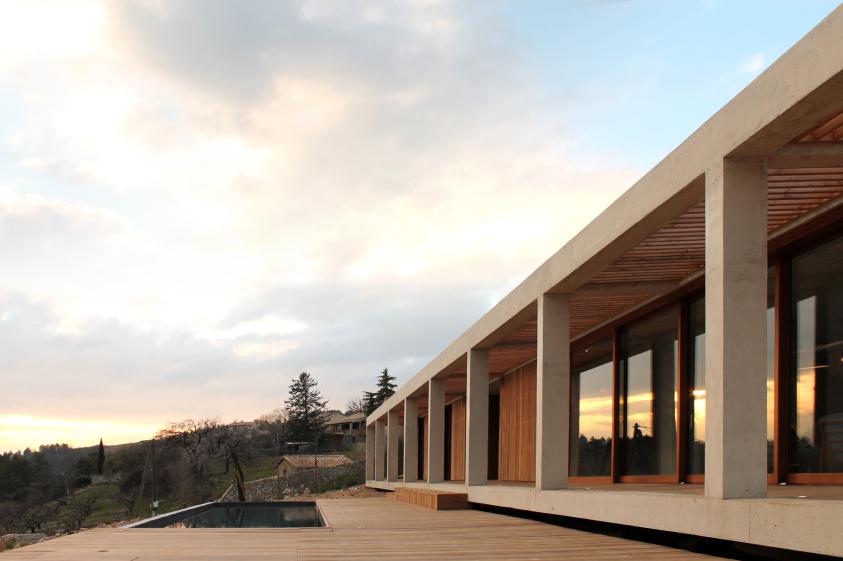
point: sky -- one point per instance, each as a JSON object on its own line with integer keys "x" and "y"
{"x": 201, "y": 199}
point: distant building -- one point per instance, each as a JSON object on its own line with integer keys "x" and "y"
{"x": 296, "y": 462}
{"x": 248, "y": 426}
{"x": 345, "y": 430}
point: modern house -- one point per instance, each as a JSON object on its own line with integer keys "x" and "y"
{"x": 678, "y": 364}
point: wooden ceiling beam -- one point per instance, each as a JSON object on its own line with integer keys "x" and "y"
{"x": 625, "y": 288}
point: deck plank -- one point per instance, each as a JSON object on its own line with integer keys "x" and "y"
{"x": 361, "y": 529}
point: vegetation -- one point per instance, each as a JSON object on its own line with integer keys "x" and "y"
{"x": 385, "y": 389}
{"x": 191, "y": 461}
{"x": 305, "y": 410}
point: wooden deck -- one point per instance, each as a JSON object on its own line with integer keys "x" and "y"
{"x": 361, "y": 529}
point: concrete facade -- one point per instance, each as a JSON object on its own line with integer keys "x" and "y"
{"x": 393, "y": 434}
{"x": 736, "y": 329}
{"x": 436, "y": 431}
{"x": 724, "y": 166}
{"x": 411, "y": 440}
{"x": 477, "y": 417}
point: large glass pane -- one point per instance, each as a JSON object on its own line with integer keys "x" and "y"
{"x": 696, "y": 386}
{"x": 771, "y": 365}
{"x": 591, "y": 410}
{"x": 647, "y": 423}
{"x": 816, "y": 416}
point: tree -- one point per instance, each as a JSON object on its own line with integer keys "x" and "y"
{"x": 355, "y": 405}
{"x": 370, "y": 402}
{"x": 305, "y": 409}
{"x": 273, "y": 425}
{"x": 235, "y": 448}
{"x": 100, "y": 457}
{"x": 385, "y": 389}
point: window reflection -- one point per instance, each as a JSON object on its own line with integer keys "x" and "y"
{"x": 696, "y": 386}
{"x": 591, "y": 410}
{"x": 771, "y": 365}
{"x": 648, "y": 391}
{"x": 816, "y": 363}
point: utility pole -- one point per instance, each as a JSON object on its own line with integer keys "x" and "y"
{"x": 316, "y": 464}
{"x": 154, "y": 501}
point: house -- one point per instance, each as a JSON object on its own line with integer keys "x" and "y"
{"x": 293, "y": 463}
{"x": 346, "y": 424}
{"x": 680, "y": 358}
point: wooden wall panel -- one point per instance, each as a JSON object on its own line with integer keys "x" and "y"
{"x": 458, "y": 411}
{"x": 517, "y": 452}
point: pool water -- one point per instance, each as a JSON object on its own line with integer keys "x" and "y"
{"x": 242, "y": 515}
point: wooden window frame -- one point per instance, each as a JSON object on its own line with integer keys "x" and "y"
{"x": 798, "y": 242}
{"x": 781, "y": 249}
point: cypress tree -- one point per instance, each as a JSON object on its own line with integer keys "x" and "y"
{"x": 100, "y": 457}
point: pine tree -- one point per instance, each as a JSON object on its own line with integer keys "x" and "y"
{"x": 370, "y": 402}
{"x": 386, "y": 387}
{"x": 305, "y": 409}
{"x": 100, "y": 457}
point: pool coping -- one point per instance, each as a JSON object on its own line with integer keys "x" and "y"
{"x": 177, "y": 515}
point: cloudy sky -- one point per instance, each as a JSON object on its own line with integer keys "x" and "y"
{"x": 198, "y": 200}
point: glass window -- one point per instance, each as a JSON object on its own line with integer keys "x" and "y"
{"x": 696, "y": 386}
{"x": 647, "y": 424}
{"x": 591, "y": 410}
{"x": 771, "y": 365}
{"x": 816, "y": 360}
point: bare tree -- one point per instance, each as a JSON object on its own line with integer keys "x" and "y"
{"x": 355, "y": 405}
{"x": 76, "y": 511}
{"x": 191, "y": 436}
{"x": 36, "y": 517}
{"x": 234, "y": 447}
{"x": 275, "y": 423}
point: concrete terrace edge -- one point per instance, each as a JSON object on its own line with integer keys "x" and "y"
{"x": 809, "y": 525}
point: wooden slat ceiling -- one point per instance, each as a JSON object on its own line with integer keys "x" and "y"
{"x": 792, "y": 192}
{"x": 671, "y": 254}
{"x": 828, "y": 132}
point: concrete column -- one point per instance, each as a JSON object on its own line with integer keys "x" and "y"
{"x": 380, "y": 450}
{"x": 370, "y": 453}
{"x": 435, "y": 431}
{"x": 411, "y": 440}
{"x": 553, "y": 391}
{"x": 393, "y": 430}
{"x": 477, "y": 418}
{"x": 736, "y": 325}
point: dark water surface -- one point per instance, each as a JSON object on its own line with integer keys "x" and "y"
{"x": 245, "y": 515}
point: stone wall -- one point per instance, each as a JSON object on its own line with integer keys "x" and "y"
{"x": 301, "y": 482}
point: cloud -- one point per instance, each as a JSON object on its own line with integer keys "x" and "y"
{"x": 205, "y": 198}
{"x": 754, "y": 64}
{"x": 33, "y": 223}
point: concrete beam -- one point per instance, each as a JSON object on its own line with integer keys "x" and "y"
{"x": 553, "y": 391}
{"x": 393, "y": 432}
{"x": 370, "y": 452}
{"x": 436, "y": 431}
{"x": 477, "y": 418}
{"x": 807, "y": 155}
{"x": 380, "y": 450}
{"x": 735, "y": 329}
{"x": 411, "y": 440}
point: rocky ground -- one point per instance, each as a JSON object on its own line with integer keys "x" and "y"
{"x": 357, "y": 492}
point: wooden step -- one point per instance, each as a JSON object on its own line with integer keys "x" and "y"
{"x": 431, "y": 498}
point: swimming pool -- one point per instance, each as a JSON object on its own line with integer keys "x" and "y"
{"x": 240, "y": 515}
